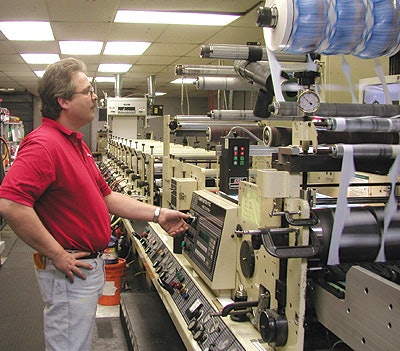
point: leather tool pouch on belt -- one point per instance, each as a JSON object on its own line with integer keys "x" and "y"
{"x": 39, "y": 260}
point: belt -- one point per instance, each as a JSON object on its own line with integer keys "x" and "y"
{"x": 92, "y": 255}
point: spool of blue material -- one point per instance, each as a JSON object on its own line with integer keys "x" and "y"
{"x": 363, "y": 28}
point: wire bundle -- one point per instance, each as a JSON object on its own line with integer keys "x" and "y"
{"x": 363, "y": 28}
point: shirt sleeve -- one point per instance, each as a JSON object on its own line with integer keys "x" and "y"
{"x": 101, "y": 182}
{"x": 31, "y": 174}
{"x": 104, "y": 188}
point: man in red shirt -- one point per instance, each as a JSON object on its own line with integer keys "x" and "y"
{"x": 56, "y": 200}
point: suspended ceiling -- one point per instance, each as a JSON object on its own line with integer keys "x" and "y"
{"x": 93, "y": 20}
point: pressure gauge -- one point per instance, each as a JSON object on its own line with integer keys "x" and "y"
{"x": 308, "y": 101}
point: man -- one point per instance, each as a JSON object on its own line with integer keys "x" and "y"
{"x": 56, "y": 200}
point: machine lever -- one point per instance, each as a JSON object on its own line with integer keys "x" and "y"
{"x": 238, "y": 306}
{"x": 290, "y": 251}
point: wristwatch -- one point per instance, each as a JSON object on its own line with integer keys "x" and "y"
{"x": 157, "y": 212}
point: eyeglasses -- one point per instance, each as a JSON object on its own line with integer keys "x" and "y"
{"x": 87, "y": 91}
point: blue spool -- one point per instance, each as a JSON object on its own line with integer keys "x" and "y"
{"x": 364, "y": 28}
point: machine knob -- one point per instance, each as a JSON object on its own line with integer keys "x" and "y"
{"x": 164, "y": 275}
{"x": 193, "y": 325}
{"x": 135, "y": 177}
{"x": 144, "y": 242}
{"x": 199, "y": 335}
{"x": 273, "y": 328}
{"x": 159, "y": 269}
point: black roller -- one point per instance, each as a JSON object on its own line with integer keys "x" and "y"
{"x": 360, "y": 239}
{"x": 282, "y": 136}
{"x": 392, "y": 240}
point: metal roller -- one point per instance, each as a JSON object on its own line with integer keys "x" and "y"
{"x": 381, "y": 125}
{"x": 277, "y": 136}
{"x": 289, "y": 108}
{"x": 188, "y": 118}
{"x": 200, "y": 129}
{"x": 245, "y": 52}
{"x": 224, "y": 83}
{"x": 192, "y": 129}
{"x": 367, "y": 150}
{"x": 205, "y": 70}
{"x": 178, "y": 120}
{"x": 233, "y": 115}
{"x": 214, "y": 133}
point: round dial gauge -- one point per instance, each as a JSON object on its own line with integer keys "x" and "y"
{"x": 308, "y": 101}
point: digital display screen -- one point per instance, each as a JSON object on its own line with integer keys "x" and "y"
{"x": 205, "y": 237}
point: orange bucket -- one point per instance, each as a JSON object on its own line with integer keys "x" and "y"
{"x": 112, "y": 287}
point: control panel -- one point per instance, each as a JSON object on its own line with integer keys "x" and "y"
{"x": 126, "y": 106}
{"x": 234, "y": 164}
{"x": 205, "y": 329}
{"x": 209, "y": 244}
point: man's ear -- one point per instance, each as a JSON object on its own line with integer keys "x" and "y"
{"x": 64, "y": 103}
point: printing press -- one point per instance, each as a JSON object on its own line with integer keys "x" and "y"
{"x": 294, "y": 238}
{"x": 272, "y": 262}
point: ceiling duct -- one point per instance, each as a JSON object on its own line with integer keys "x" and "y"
{"x": 118, "y": 85}
{"x": 151, "y": 90}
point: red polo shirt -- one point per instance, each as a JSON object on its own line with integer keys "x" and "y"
{"x": 54, "y": 172}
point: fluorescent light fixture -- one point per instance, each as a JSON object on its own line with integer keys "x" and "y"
{"x": 184, "y": 81}
{"x": 166, "y": 17}
{"x": 104, "y": 79}
{"x": 126, "y": 48}
{"x": 7, "y": 89}
{"x": 27, "y": 30}
{"x": 39, "y": 73}
{"x": 40, "y": 58}
{"x": 81, "y": 47}
{"x": 114, "y": 67}
{"x": 159, "y": 93}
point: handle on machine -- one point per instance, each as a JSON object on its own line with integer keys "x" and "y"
{"x": 301, "y": 251}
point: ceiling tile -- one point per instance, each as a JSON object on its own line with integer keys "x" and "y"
{"x": 81, "y": 31}
{"x": 82, "y": 11}
{"x": 26, "y": 10}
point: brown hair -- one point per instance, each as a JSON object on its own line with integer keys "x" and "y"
{"x": 57, "y": 82}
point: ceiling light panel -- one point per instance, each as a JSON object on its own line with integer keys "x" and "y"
{"x": 27, "y": 30}
{"x": 166, "y": 17}
{"x": 40, "y": 58}
{"x": 39, "y": 73}
{"x": 126, "y": 47}
{"x": 81, "y": 47}
{"x": 114, "y": 68}
{"x": 104, "y": 79}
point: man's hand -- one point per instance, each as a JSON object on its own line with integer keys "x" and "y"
{"x": 69, "y": 264}
{"x": 173, "y": 222}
